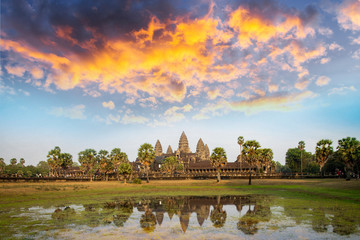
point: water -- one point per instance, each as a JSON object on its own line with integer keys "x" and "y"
{"x": 188, "y": 217}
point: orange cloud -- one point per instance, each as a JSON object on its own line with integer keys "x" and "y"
{"x": 251, "y": 27}
{"x": 349, "y": 15}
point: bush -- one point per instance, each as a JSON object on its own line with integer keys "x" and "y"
{"x": 137, "y": 181}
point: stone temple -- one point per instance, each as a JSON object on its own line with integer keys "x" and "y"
{"x": 183, "y": 152}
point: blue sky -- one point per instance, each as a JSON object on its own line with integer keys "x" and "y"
{"x": 84, "y": 74}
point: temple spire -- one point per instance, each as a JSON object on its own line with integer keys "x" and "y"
{"x": 158, "y": 148}
{"x": 184, "y": 144}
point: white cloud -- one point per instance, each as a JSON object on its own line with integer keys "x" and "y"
{"x": 130, "y": 119}
{"x": 37, "y": 73}
{"x": 325, "y": 31}
{"x": 356, "y": 41}
{"x": 75, "y": 112}
{"x": 110, "y": 105}
{"x": 335, "y": 46}
{"x": 322, "y": 81}
{"x": 356, "y": 54}
{"x": 301, "y": 85}
{"x": 342, "y": 90}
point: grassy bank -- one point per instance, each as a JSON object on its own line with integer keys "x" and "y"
{"x": 45, "y": 193}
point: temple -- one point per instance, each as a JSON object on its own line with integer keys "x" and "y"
{"x": 198, "y": 163}
{"x": 183, "y": 153}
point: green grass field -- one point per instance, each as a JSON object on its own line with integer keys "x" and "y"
{"x": 44, "y": 193}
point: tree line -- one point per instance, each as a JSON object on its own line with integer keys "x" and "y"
{"x": 344, "y": 160}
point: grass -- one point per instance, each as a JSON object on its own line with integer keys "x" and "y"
{"x": 28, "y": 194}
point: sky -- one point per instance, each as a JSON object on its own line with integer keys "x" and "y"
{"x": 106, "y": 74}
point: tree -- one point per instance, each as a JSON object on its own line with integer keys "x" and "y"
{"x": 265, "y": 157}
{"x": 322, "y": 152}
{"x": 54, "y": 160}
{"x": 349, "y": 151}
{"x": 146, "y": 156}
{"x": 105, "y": 163}
{"x": 171, "y": 164}
{"x": 250, "y": 154}
{"x": 22, "y": 162}
{"x": 43, "y": 168}
{"x": 240, "y": 141}
{"x": 13, "y": 161}
{"x": 126, "y": 170}
{"x": 2, "y": 165}
{"x": 117, "y": 157}
{"x": 89, "y": 161}
{"x": 66, "y": 160}
{"x": 301, "y": 146}
{"x": 218, "y": 159}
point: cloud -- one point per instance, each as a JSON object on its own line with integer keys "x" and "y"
{"x": 356, "y": 40}
{"x": 322, "y": 81}
{"x": 278, "y": 102}
{"x": 325, "y": 60}
{"x": 132, "y": 119}
{"x": 15, "y": 70}
{"x": 110, "y": 105}
{"x": 37, "y": 73}
{"x": 356, "y": 54}
{"x": 175, "y": 114}
{"x": 348, "y": 15}
{"x": 109, "y": 119}
{"x": 301, "y": 85}
{"x": 342, "y": 90}
{"x": 74, "y": 112}
{"x": 335, "y": 46}
{"x": 325, "y": 31}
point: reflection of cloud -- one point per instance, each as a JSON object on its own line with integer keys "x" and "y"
{"x": 349, "y": 15}
{"x": 322, "y": 81}
{"x": 110, "y": 105}
{"x": 342, "y": 90}
{"x": 75, "y": 112}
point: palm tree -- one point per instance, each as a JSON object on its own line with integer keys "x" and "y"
{"x": 66, "y": 160}
{"x": 301, "y": 146}
{"x": 146, "y": 156}
{"x": 240, "y": 141}
{"x": 125, "y": 169}
{"x": 2, "y": 165}
{"x": 118, "y": 157}
{"x": 251, "y": 154}
{"x": 218, "y": 159}
{"x": 89, "y": 161}
{"x": 265, "y": 157}
{"x": 105, "y": 163}
{"x": 170, "y": 165}
{"x": 54, "y": 159}
{"x": 322, "y": 152}
{"x": 349, "y": 150}
{"x": 13, "y": 161}
{"x": 22, "y": 162}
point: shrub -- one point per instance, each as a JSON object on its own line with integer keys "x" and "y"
{"x": 137, "y": 181}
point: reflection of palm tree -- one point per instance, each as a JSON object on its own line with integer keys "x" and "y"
{"x": 247, "y": 224}
{"x": 148, "y": 221}
{"x": 218, "y": 216}
{"x": 123, "y": 213}
{"x": 343, "y": 223}
{"x": 319, "y": 221}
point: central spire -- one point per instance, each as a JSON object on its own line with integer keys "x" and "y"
{"x": 184, "y": 144}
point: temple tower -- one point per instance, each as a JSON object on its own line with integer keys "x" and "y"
{"x": 200, "y": 149}
{"x": 158, "y": 149}
{"x": 169, "y": 150}
{"x": 184, "y": 144}
{"x": 207, "y": 152}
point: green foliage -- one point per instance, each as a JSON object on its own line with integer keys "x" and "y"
{"x": 250, "y": 152}
{"x": 146, "y": 154}
{"x": 218, "y": 158}
{"x": 57, "y": 160}
{"x": 2, "y": 165}
{"x": 125, "y": 169}
{"x": 89, "y": 161}
{"x": 279, "y": 168}
{"x": 137, "y": 181}
{"x": 13, "y": 161}
{"x": 170, "y": 165}
{"x": 349, "y": 151}
{"x": 322, "y": 151}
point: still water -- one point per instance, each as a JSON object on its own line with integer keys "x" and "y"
{"x": 189, "y": 217}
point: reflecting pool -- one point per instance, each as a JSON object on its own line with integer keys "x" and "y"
{"x": 188, "y": 217}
